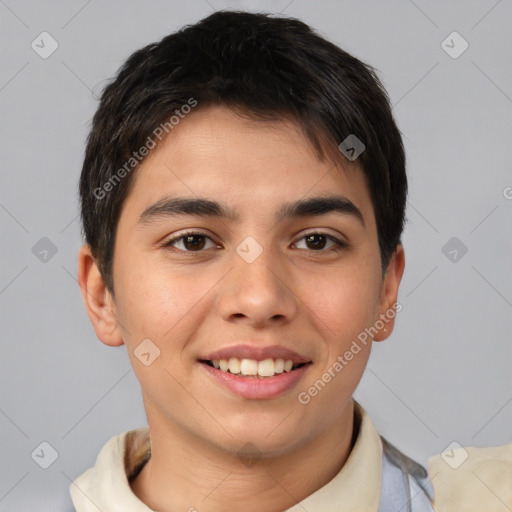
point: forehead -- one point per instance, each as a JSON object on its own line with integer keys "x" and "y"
{"x": 248, "y": 163}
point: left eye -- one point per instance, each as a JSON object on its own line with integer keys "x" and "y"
{"x": 319, "y": 240}
{"x": 195, "y": 242}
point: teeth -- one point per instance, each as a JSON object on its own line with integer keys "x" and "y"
{"x": 266, "y": 368}
{"x": 251, "y": 367}
{"x": 234, "y": 365}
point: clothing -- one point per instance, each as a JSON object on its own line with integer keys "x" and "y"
{"x": 370, "y": 480}
{"x": 405, "y": 484}
{"x": 469, "y": 479}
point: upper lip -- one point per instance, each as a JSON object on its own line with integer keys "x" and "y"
{"x": 257, "y": 353}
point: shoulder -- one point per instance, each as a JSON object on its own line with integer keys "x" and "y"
{"x": 106, "y": 485}
{"x": 469, "y": 479}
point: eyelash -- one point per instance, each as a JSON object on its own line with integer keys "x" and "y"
{"x": 338, "y": 244}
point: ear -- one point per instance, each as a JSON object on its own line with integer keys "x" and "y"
{"x": 389, "y": 294}
{"x": 98, "y": 301}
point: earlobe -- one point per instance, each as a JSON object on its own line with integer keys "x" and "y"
{"x": 97, "y": 299}
{"x": 389, "y": 295}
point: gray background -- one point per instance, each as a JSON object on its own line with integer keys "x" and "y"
{"x": 443, "y": 376}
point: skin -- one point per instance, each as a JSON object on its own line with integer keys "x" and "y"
{"x": 314, "y": 301}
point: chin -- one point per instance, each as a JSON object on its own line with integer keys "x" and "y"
{"x": 251, "y": 442}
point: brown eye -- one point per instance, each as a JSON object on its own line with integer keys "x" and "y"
{"x": 191, "y": 242}
{"x": 317, "y": 242}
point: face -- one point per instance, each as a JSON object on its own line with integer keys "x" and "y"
{"x": 253, "y": 289}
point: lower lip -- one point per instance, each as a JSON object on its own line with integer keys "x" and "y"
{"x": 258, "y": 389}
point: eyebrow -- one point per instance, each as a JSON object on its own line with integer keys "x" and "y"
{"x": 309, "y": 207}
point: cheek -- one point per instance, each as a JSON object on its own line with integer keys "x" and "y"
{"x": 158, "y": 309}
{"x": 152, "y": 305}
{"x": 343, "y": 307}
{"x": 344, "y": 303}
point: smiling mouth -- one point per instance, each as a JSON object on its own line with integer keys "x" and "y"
{"x": 264, "y": 369}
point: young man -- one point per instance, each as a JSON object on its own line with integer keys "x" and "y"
{"x": 243, "y": 197}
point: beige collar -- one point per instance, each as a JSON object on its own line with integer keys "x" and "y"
{"x": 106, "y": 486}
{"x": 357, "y": 486}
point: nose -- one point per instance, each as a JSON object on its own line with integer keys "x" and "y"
{"x": 258, "y": 293}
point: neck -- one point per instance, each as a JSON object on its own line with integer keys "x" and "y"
{"x": 187, "y": 474}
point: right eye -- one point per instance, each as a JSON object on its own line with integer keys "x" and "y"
{"x": 192, "y": 241}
